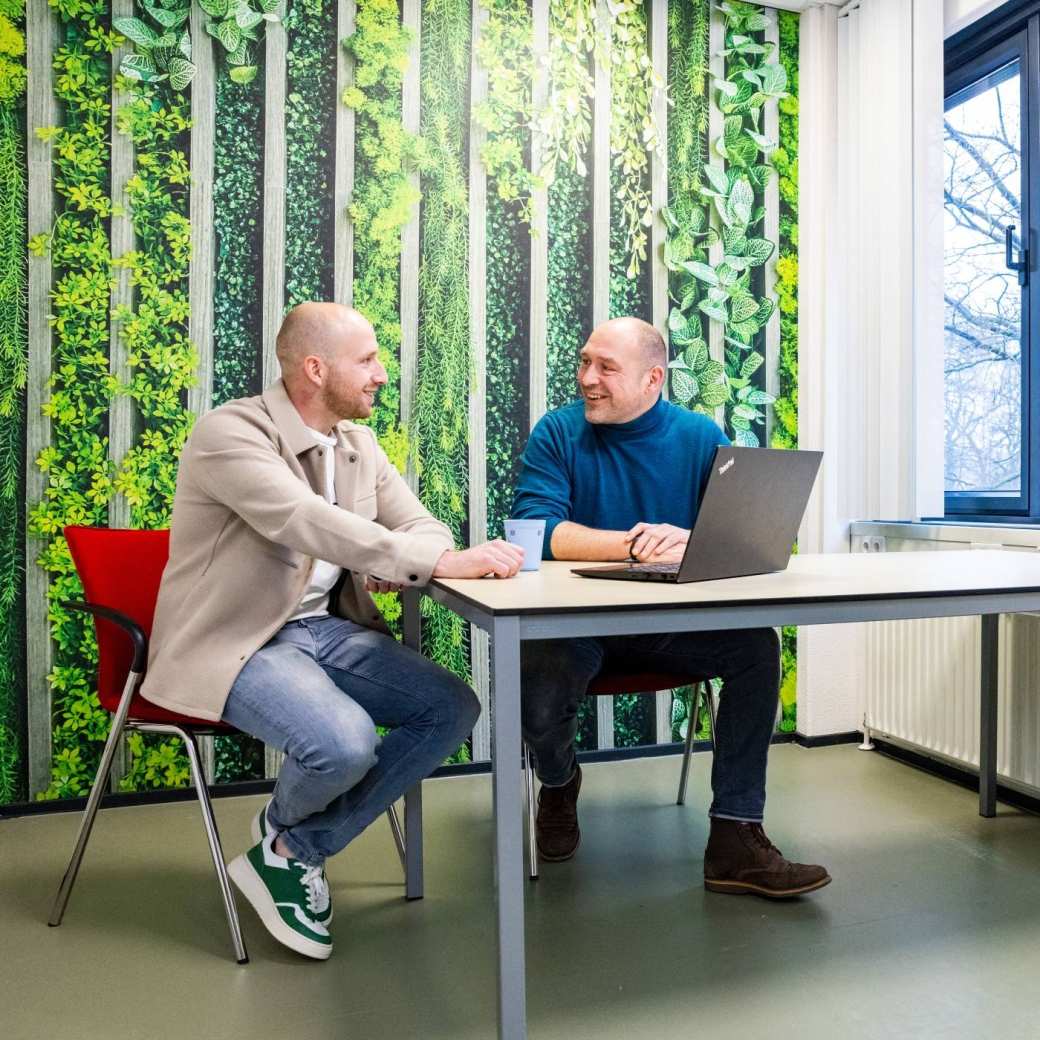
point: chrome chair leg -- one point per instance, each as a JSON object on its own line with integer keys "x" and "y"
{"x": 692, "y": 712}
{"x": 532, "y": 843}
{"x": 93, "y": 801}
{"x": 199, "y": 780}
{"x": 713, "y": 708}
{"x": 395, "y": 829}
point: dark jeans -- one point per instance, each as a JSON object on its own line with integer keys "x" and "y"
{"x": 317, "y": 691}
{"x": 555, "y": 674}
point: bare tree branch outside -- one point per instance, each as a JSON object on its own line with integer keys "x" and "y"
{"x": 983, "y": 300}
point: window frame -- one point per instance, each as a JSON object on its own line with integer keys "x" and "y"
{"x": 960, "y": 73}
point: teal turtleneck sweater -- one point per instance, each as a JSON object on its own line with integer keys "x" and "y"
{"x": 651, "y": 470}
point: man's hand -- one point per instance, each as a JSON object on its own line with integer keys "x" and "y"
{"x": 657, "y": 543}
{"x": 498, "y": 558}
{"x": 379, "y": 585}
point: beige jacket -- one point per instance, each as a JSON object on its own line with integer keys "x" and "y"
{"x": 248, "y": 522}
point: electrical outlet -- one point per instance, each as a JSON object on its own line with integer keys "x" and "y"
{"x": 872, "y": 543}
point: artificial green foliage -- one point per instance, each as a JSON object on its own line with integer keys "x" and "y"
{"x": 237, "y": 349}
{"x": 14, "y": 366}
{"x": 161, "y": 38}
{"x": 382, "y": 202}
{"x": 564, "y": 128}
{"x": 238, "y": 238}
{"x": 505, "y": 51}
{"x": 785, "y": 409}
{"x": 629, "y": 289}
{"x": 568, "y": 306}
{"x": 310, "y": 116}
{"x": 161, "y": 359}
{"x": 507, "y": 296}
{"x": 727, "y": 292}
{"x": 634, "y": 720}
{"x": 634, "y": 135}
{"x": 238, "y": 25}
{"x": 440, "y": 418}
{"x": 564, "y": 125}
{"x": 78, "y": 472}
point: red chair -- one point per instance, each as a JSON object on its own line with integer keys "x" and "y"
{"x": 608, "y": 684}
{"x": 120, "y": 572}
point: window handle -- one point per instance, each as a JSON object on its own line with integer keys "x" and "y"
{"x": 1021, "y": 265}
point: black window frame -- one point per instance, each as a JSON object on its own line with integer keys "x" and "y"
{"x": 1011, "y": 33}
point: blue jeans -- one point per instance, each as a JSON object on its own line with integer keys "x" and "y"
{"x": 555, "y": 674}
{"x": 317, "y": 690}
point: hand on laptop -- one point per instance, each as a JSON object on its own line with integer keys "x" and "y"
{"x": 657, "y": 543}
{"x": 497, "y": 558}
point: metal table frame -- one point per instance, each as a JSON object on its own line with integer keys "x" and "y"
{"x": 508, "y": 628}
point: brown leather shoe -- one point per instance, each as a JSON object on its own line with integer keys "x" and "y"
{"x": 556, "y": 827}
{"x": 740, "y": 858}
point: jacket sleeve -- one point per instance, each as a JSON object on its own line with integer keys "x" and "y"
{"x": 234, "y": 462}
{"x": 544, "y": 490}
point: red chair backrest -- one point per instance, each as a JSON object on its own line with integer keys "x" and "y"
{"x": 119, "y": 569}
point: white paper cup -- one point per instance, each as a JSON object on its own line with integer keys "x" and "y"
{"x": 529, "y": 535}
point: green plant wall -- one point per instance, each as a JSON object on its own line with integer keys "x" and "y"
{"x": 310, "y": 112}
{"x": 440, "y": 422}
{"x": 238, "y": 162}
{"x": 715, "y": 256}
{"x": 785, "y": 409}
{"x": 14, "y": 367}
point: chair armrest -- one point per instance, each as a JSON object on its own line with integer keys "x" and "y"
{"x": 132, "y": 629}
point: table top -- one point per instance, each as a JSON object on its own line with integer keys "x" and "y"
{"x": 810, "y": 578}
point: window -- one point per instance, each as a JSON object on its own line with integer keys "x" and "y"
{"x": 991, "y": 286}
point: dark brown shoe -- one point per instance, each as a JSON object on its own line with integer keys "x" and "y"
{"x": 740, "y": 858}
{"x": 556, "y": 827}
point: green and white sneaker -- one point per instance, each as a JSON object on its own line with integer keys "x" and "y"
{"x": 287, "y": 895}
{"x": 261, "y": 827}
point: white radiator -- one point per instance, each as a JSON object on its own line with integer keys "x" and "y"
{"x": 922, "y": 689}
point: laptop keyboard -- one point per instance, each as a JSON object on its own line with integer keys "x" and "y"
{"x": 658, "y": 568}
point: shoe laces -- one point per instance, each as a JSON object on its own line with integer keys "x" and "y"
{"x": 760, "y": 838}
{"x": 314, "y": 881}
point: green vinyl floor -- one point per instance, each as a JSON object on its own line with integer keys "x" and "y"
{"x": 931, "y": 928}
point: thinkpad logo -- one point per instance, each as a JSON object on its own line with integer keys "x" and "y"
{"x": 728, "y": 465}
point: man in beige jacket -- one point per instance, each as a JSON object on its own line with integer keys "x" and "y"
{"x": 286, "y": 517}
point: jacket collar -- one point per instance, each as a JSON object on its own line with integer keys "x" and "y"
{"x": 281, "y": 409}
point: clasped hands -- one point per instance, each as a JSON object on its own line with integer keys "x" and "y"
{"x": 657, "y": 543}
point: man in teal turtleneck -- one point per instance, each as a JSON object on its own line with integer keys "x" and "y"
{"x": 619, "y": 475}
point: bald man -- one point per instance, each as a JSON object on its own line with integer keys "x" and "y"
{"x": 619, "y": 475}
{"x": 286, "y": 518}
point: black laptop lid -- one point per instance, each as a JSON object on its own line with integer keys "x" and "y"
{"x": 750, "y": 512}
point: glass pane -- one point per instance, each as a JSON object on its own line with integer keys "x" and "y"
{"x": 983, "y": 300}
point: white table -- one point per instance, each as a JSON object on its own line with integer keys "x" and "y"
{"x": 552, "y": 603}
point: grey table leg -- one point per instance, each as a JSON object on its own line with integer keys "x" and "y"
{"x": 988, "y": 716}
{"x": 509, "y": 857}
{"x": 413, "y": 839}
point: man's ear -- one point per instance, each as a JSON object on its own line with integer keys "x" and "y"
{"x": 656, "y": 378}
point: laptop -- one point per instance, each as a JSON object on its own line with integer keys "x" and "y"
{"x": 748, "y": 520}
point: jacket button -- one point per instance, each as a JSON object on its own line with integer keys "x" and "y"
{"x": 353, "y": 458}
{"x": 413, "y": 577}
{"x": 320, "y": 452}
{"x": 242, "y": 658}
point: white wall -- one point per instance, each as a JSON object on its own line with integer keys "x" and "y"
{"x": 870, "y": 305}
{"x": 959, "y": 13}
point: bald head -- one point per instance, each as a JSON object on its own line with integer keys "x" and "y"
{"x": 639, "y": 335}
{"x": 321, "y": 330}
{"x": 621, "y": 370}
{"x": 330, "y": 362}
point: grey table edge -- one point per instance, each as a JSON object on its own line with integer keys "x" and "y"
{"x": 507, "y": 629}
